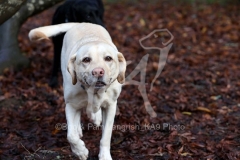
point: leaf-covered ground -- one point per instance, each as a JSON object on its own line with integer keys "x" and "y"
{"x": 197, "y": 93}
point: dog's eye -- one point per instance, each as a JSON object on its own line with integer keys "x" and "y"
{"x": 108, "y": 58}
{"x": 86, "y": 60}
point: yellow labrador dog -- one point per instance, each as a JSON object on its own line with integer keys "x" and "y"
{"x": 93, "y": 73}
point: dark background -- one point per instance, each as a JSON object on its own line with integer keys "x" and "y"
{"x": 197, "y": 92}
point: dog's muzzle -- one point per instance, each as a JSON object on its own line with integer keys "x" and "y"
{"x": 98, "y": 73}
{"x": 99, "y": 84}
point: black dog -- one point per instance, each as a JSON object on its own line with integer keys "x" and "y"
{"x": 73, "y": 11}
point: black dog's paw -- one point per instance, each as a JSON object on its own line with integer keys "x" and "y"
{"x": 53, "y": 82}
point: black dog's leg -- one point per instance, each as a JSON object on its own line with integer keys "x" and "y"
{"x": 58, "y": 17}
{"x": 57, "y": 42}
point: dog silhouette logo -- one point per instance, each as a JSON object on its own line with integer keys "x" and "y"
{"x": 163, "y": 52}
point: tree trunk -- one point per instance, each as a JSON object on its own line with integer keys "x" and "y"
{"x": 9, "y": 8}
{"x": 10, "y": 54}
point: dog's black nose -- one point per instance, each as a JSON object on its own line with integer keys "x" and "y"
{"x": 98, "y": 72}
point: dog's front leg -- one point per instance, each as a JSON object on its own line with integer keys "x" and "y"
{"x": 108, "y": 115}
{"x": 74, "y": 132}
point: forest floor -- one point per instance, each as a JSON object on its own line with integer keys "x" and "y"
{"x": 196, "y": 97}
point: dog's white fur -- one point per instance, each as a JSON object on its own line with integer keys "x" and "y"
{"x": 87, "y": 40}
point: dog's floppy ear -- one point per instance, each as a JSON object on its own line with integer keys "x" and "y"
{"x": 122, "y": 68}
{"x": 71, "y": 69}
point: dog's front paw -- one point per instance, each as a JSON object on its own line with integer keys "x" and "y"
{"x": 79, "y": 149}
{"x": 104, "y": 154}
{"x": 81, "y": 153}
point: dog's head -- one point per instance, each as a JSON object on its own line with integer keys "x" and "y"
{"x": 97, "y": 65}
{"x": 86, "y": 11}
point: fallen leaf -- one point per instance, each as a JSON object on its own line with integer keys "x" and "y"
{"x": 204, "y": 109}
{"x": 187, "y": 113}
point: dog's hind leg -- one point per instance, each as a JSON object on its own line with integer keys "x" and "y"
{"x": 96, "y": 118}
{"x": 94, "y": 111}
{"x": 74, "y": 132}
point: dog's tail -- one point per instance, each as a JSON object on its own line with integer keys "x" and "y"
{"x": 49, "y": 31}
